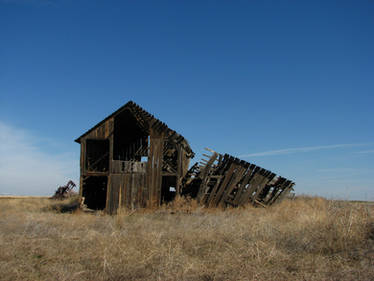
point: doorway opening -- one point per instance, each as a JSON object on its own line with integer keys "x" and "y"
{"x": 94, "y": 192}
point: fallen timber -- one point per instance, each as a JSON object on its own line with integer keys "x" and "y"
{"x": 224, "y": 180}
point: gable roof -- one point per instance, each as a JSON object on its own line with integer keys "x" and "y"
{"x": 147, "y": 118}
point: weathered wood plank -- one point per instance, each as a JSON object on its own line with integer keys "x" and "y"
{"x": 203, "y": 175}
{"x": 114, "y": 183}
{"x": 238, "y": 175}
{"x": 252, "y": 186}
{"x": 216, "y": 196}
{"x": 205, "y": 197}
{"x": 281, "y": 185}
{"x": 267, "y": 178}
{"x": 241, "y": 190}
{"x": 284, "y": 192}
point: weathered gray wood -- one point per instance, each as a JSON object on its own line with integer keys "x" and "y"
{"x": 253, "y": 184}
{"x": 238, "y": 175}
{"x": 267, "y": 178}
{"x": 285, "y": 192}
{"x": 203, "y": 175}
{"x": 241, "y": 190}
{"x": 114, "y": 189}
{"x": 215, "y": 197}
{"x": 206, "y": 195}
{"x": 284, "y": 183}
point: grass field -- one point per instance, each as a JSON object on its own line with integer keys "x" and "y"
{"x": 302, "y": 239}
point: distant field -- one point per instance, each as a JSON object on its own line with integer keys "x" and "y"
{"x": 302, "y": 239}
{"x": 21, "y": 197}
{"x": 362, "y": 202}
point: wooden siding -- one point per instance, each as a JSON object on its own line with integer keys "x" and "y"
{"x": 154, "y": 168}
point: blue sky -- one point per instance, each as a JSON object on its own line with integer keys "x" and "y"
{"x": 287, "y": 85}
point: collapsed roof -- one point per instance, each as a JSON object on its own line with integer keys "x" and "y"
{"x": 224, "y": 180}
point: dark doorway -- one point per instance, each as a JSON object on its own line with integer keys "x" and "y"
{"x": 94, "y": 192}
{"x": 168, "y": 190}
{"x": 97, "y": 155}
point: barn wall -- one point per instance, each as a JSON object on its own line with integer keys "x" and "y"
{"x": 104, "y": 131}
{"x": 127, "y": 185}
{"x": 132, "y": 184}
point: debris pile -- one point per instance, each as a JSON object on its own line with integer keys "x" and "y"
{"x": 223, "y": 180}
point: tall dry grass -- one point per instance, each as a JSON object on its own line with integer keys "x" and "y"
{"x": 303, "y": 239}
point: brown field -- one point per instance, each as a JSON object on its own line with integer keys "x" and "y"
{"x": 302, "y": 239}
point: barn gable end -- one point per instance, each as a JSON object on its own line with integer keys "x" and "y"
{"x": 131, "y": 159}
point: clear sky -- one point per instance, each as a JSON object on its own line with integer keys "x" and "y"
{"x": 287, "y": 85}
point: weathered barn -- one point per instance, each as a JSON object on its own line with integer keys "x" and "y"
{"x": 131, "y": 159}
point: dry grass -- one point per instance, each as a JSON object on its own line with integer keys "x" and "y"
{"x": 303, "y": 239}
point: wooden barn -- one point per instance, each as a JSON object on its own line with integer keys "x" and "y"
{"x": 131, "y": 159}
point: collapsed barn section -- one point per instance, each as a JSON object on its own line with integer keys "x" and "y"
{"x": 224, "y": 180}
{"x": 133, "y": 160}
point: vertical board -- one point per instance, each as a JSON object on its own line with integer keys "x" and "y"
{"x": 81, "y": 168}
{"x": 127, "y": 188}
{"x": 114, "y": 183}
{"x": 216, "y": 194}
{"x": 132, "y": 188}
{"x": 247, "y": 178}
{"x": 254, "y": 185}
{"x": 240, "y": 171}
{"x": 124, "y": 187}
{"x": 154, "y": 167}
